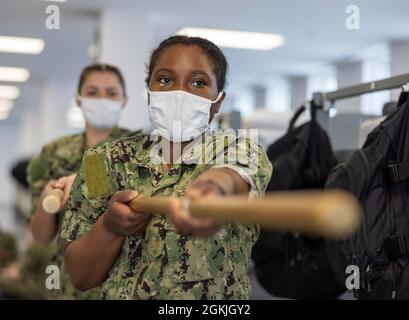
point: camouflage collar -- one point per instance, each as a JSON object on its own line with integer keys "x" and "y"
{"x": 116, "y": 133}
{"x": 193, "y": 153}
{"x": 119, "y": 133}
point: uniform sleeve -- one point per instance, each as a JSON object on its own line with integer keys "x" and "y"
{"x": 90, "y": 194}
{"x": 38, "y": 175}
{"x": 250, "y": 161}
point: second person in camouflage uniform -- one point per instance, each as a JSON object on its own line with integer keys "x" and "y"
{"x": 101, "y": 91}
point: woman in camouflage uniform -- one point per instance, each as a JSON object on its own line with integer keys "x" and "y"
{"x": 102, "y": 96}
{"x": 138, "y": 256}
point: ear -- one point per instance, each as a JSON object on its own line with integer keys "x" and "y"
{"x": 216, "y": 106}
{"x": 78, "y": 101}
{"x": 147, "y": 95}
{"x": 125, "y": 102}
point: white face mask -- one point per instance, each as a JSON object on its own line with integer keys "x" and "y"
{"x": 179, "y": 115}
{"x": 101, "y": 113}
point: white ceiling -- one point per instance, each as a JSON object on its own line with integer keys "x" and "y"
{"x": 315, "y": 31}
{"x": 66, "y": 49}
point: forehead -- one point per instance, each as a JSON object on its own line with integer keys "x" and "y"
{"x": 184, "y": 58}
{"x": 101, "y": 77}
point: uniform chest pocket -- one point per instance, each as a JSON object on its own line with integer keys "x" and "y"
{"x": 131, "y": 177}
{"x": 94, "y": 206}
{"x": 193, "y": 259}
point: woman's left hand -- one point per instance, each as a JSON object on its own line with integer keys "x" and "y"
{"x": 192, "y": 226}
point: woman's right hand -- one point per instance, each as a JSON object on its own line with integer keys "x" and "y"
{"x": 44, "y": 226}
{"x": 121, "y": 219}
{"x": 64, "y": 184}
{"x": 50, "y": 186}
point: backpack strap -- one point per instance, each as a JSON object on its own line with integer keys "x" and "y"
{"x": 313, "y": 112}
{"x": 396, "y": 247}
{"x": 295, "y": 117}
{"x": 397, "y": 172}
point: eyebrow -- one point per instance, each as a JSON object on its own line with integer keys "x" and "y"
{"x": 96, "y": 87}
{"x": 198, "y": 71}
{"x": 165, "y": 70}
{"x": 194, "y": 72}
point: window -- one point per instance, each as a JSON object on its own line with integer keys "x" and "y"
{"x": 373, "y": 69}
{"x": 278, "y": 95}
{"x": 244, "y": 101}
{"x": 75, "y": 118}
{"x": 324, "y": 80}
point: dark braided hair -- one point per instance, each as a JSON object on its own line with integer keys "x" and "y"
{"x": 212, "y": 51}
{"x": 101, "y": 67}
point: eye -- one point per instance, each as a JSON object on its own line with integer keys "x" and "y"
{"x": 165, "y": 80}
{"x": 90, "y": 93}
{"x": 112, "y": 94}
{"x": 199, "y": 83}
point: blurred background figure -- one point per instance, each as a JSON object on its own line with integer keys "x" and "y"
{"x": 101, "y": 96}
{"x": 22, "y": 263}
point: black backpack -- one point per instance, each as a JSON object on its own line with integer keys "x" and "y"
{"x": 286, "y": 264}
{"x": 378, "y": 175}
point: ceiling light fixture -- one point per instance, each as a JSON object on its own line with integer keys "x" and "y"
{"x": 6, "y": 105}
{"x": 9, "y": 92}
{"x": 14, "y": 74}
{"x": 21, "y": 45}
{"x": 4, "y": 115}
{"x": 236, "y": 39}
{"x": 5, "y": 108}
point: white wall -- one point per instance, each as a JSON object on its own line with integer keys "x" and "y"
{"x": 349, "y": 74}
{"x": 399, "y": 53}
{"x": 126, "y": 41}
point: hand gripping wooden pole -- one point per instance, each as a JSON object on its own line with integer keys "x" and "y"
{"x": 52, "y": 202}
{"x": 332, "y": 214}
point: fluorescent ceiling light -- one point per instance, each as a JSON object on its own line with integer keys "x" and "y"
{"x": 9, "y": 92}
{"x": 55, "y": 0}
{"x": 6, "y": 105}
{"x": 14, "y": 74}
{"x": 4, "y": 115}
{"x": 75, "y": 117}
{"x": 21, "y": 45}
{"x": 236, "y": 39}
